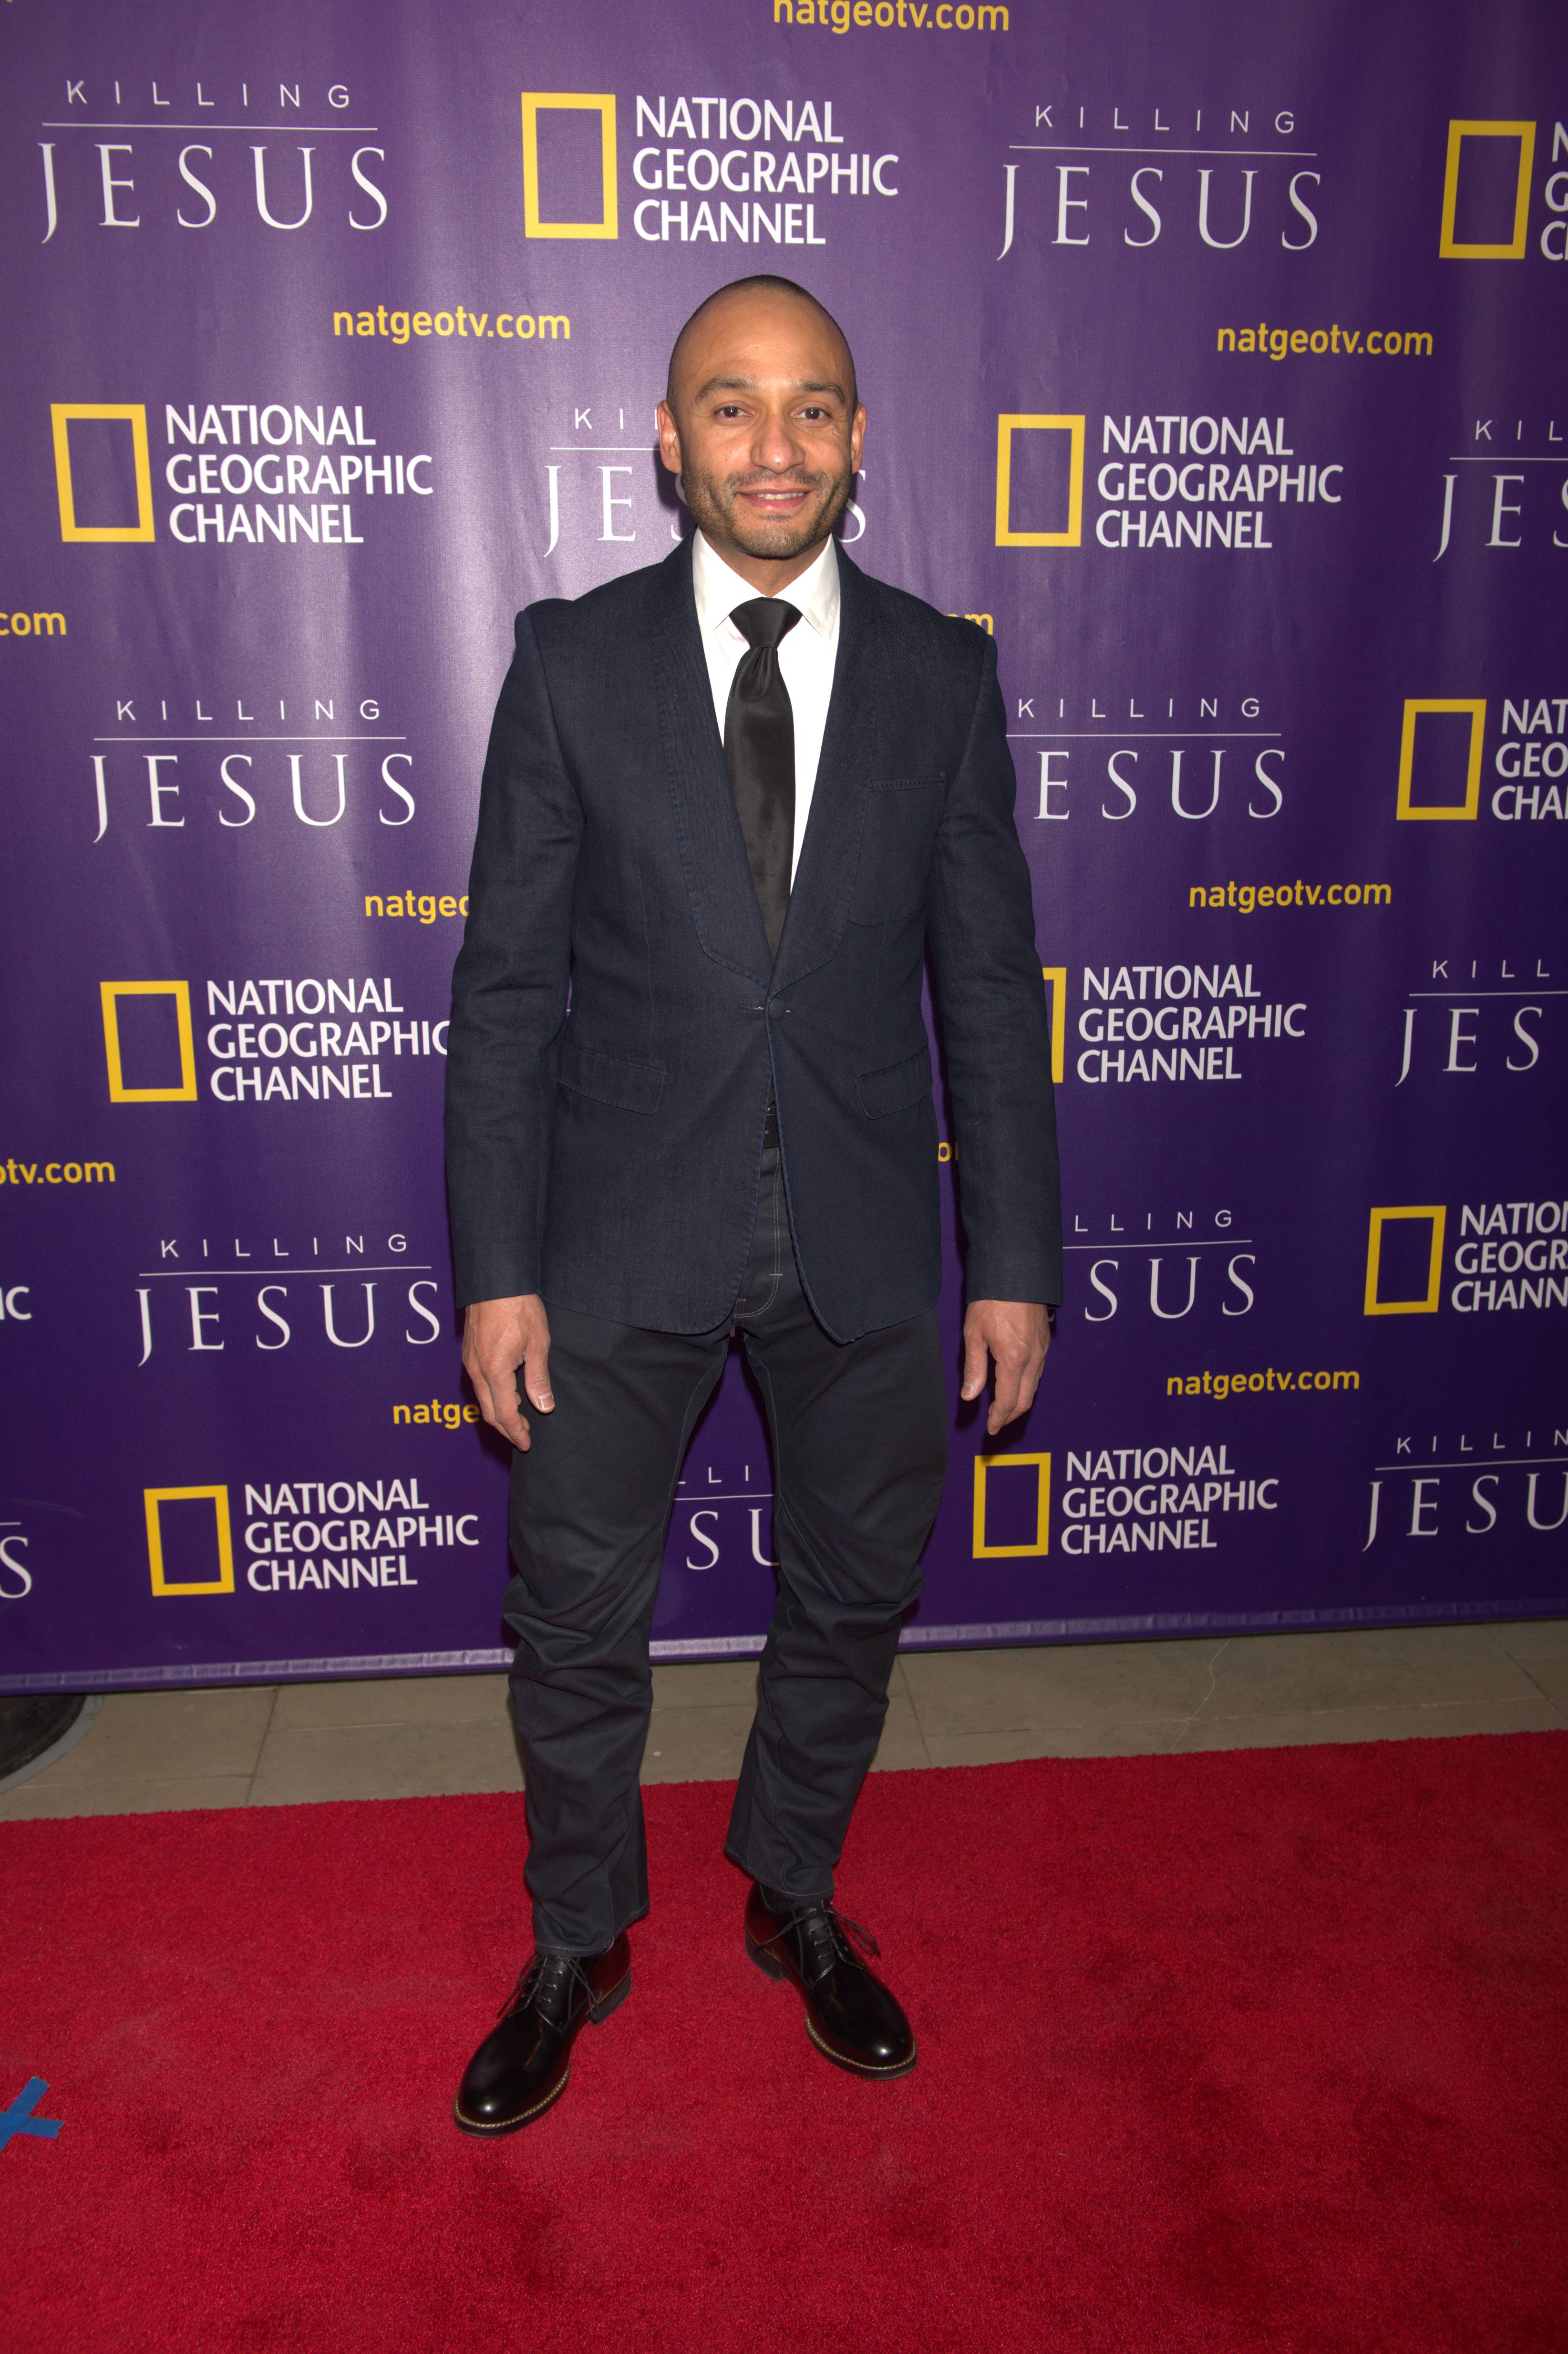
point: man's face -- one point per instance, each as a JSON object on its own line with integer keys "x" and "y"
{"x": 762, "y": 426}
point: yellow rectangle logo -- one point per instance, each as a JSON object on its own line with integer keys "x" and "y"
{"x": 1006, "y": 537}
{"x": 1428, "y": 1303}
{"x": 534, "y": 101}
{"x": 63, "y": 414}
{"x": 1457, "y": 134}
{"x": 1041, "y": 1466}
{"x": 1470, "y": 806}
{"x": 110, "y": 992}
{"x": 155, "y": 1498}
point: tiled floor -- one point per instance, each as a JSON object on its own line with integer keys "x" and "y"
{"x": 416, "y": 1736}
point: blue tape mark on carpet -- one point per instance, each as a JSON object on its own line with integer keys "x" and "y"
{"x": 19, "y": 2118}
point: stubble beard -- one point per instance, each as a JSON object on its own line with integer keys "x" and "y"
{"x": 716, "y": 508}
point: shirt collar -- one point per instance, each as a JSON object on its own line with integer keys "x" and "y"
{"x": 719, "y": 589}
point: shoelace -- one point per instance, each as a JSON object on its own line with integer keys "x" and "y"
{"x": 561, "y": 1970}
{"x": 828, "y": 1936}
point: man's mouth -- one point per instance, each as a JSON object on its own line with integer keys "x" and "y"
{"x": 780, "y": 499}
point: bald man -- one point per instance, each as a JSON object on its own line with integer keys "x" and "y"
{"x": 732, "y": 804}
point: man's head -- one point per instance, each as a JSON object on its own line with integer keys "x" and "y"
{"x": 762, "y": 422}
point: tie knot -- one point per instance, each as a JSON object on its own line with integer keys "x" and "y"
{"x": 765, "y": 621}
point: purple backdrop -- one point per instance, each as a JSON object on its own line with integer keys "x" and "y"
{"x": 1215, "y": 365}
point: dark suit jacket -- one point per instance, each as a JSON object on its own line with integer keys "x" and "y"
{"x": 616, "y": 1021}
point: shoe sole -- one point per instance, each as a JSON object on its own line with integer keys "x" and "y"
{"x": 597, "y": 2016}
{"x": 773, "y": 1969}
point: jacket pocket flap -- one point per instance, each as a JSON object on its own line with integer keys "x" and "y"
{"x": 897, "y": 1086}
{"x": 629, "y": 1086}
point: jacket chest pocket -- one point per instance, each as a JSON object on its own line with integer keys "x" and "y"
{"x": 896, "y": 842}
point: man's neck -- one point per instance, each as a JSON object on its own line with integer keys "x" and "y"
{"x": 767, "y": 575}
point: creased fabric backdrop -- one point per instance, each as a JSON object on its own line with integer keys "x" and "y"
{"x": 1213, "y": 362}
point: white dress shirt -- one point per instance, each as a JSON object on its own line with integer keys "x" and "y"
{"x": 806, "y": 656}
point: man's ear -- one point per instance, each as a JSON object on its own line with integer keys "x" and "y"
{"x": 668, "y": 438}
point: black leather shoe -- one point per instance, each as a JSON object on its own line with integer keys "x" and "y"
{"x": 524, "y": 2062}
{"x": 850, "y": 2015}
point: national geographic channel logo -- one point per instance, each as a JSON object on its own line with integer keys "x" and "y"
{"x": 267, "y": 1041}
{"x": 204, "y": 1544}
{"x": 1509, "y": 1256}
{"x": 1013, "y": 1536}
{"x": 175, "y": 1077}
{"x": 1487, "y": 188}
{"x": 299, "y": 1536}
{"x": 63, "y": 415}
{"x": 1157, "y": 1499}
{"x": 725, "y": 171}
{"x": 1163, "y": 481}
{"x": 284, "y": 456}
{"x": 1442, "y": 759}
{"x": 1152, "y": 1023}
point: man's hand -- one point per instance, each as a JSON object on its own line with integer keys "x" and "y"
{"x": 499, "y": 1335}
{"x": 1017, "y": 1333}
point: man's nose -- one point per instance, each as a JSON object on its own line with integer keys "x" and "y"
{"x": 776, "y": 444}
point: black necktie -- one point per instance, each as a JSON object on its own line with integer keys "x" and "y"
{"x": 759, "y": 746}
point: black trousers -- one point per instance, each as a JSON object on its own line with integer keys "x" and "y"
{"x": 859, "y": 1433}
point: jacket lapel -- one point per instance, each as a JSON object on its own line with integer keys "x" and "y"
{"x": 708, "y": 826}
{"x": 820, "y": 897}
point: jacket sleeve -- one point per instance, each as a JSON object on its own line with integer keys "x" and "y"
{"x": 991, "y": 999}
{"x": 510, "y": 991}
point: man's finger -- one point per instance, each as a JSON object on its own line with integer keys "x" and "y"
{"x": 974, "y": 1364}
{"x": 496, "y": 1389}
{"x": 1004, "y": 1405}
{"x": 1015, "y": 1394}
{"x": 1017, "y": 1380}
{"x": 510, "y": 1418}
{"x": 536, "y": 1375}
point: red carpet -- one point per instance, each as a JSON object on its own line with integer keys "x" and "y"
{"x": 1260, "y": 2051}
